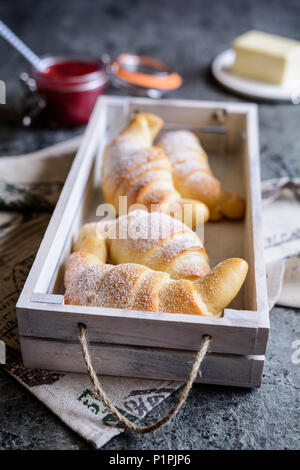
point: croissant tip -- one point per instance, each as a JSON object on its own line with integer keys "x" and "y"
{"x": 221, "y": 285}
{"x": 239, "y": 263}
{"x": 237, "y": 266}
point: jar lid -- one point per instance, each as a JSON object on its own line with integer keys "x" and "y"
{"x": 143, "y": 75}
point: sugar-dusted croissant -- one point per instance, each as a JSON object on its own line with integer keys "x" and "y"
{"x": 160, "y": 242}
{"x": 193, "y": 177}
{"x": 136, "y": 287}
{"x": 142, "y": 173}
{"x": 89, "y": 248}
{"x": 153, "y": 239}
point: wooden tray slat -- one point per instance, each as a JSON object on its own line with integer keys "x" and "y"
{"x": 147, "y": 329}
{"x": 148, "y": 363}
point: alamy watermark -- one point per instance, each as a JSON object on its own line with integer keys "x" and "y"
{"x": 295, "y": 94}
{"x": 192, "y": 215}
{"x": 295, "y": 357}
{"x": 2, "y": 92}
{"x": 2, "y": 352}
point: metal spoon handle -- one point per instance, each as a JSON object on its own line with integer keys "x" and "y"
{"x": 19, "y": 45}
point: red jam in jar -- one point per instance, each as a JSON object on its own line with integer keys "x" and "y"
{"x": 70, "y": 88}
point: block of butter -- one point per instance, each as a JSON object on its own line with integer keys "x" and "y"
{"x": 267, "y": 57}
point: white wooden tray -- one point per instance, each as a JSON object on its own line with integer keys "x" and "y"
{"x": 145, "y": 344}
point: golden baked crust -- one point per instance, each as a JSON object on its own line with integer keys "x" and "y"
{"x": 158, "y": 241}
{"x": 193, "y": 177}
{"x": 132, "y": 167}
{"x": 77, "y": 262}
{"x": 135, "y": 287}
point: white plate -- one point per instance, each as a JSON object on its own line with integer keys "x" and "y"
{"x": 221, "y": 69}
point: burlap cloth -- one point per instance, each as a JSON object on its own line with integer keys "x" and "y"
{"x": 29, "y": 188}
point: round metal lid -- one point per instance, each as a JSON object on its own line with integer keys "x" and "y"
{"x": 143, "y": 75}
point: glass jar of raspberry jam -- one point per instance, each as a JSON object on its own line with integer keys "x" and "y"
{"x": 70, "y": 87}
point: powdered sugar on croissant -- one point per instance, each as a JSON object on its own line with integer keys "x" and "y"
{"x": 133, "y": 168}
{"x": 152, "y": 239}
{"x": 78, "y": 262}
{"x": 193, "y": 177}
{"x": 160, "y": 242}
{"x": 89, "y": 249}
{"x": 136, "y": 287}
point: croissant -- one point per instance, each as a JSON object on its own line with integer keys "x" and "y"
{"x": 193, "y": 177}
{"x": 136, "y": 287}
{"x": 133, "y": 168}
{"x": 159, "y": 242}
{"x": 153, "y": 239}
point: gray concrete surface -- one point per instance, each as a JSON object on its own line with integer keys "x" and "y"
{"x": 186, "y": 34}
